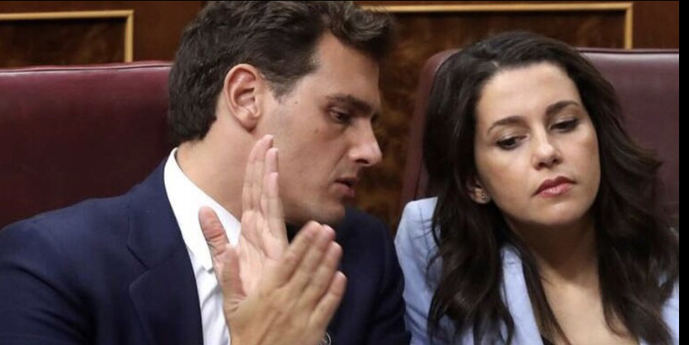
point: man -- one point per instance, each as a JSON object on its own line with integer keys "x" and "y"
{"x": 251, "y": 81}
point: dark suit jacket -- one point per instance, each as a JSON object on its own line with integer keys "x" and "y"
{"x": 116, "y": 271}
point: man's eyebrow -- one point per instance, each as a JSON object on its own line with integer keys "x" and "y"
{"x": 358, "y": 104}
{"x": 550, "y": 111}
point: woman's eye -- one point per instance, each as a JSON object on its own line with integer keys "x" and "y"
{"x": 566, "y": 126}
{"x": 508, "y": 143}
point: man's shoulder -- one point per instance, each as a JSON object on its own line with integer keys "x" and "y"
{"x": 373, "y": 304}
{"x": 355, "y": 216}
{"x": 76, "y": 222}
{"x": 359, "y": 226}
{"x": 85, "y": 218}
{"x": 366, "y": 238}
{"x": 76, "y": 241}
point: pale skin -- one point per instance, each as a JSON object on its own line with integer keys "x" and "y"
{"x": 323, "y": 128}
{"x": 275, "y": 292}
{"x": 532, "y": 127}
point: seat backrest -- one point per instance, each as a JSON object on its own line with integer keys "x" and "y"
{"x": 647, "y": 84}
{"x": 70, "y": 133}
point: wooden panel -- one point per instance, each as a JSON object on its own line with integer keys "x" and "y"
{"x": 656, "y": 24}
{"x": 65, "y": 38}
{"x": 157, "y": 25}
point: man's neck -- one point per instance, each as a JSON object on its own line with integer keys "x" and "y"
{"x": 218, "y": 175}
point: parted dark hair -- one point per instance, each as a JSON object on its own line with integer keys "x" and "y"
{"x": 279, "y": 38}
{"x": 637, "y": 249}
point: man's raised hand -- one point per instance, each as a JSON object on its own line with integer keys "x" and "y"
{"x": 273, "y": 292}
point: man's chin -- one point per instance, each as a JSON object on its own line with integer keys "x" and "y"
{"x": 332, "y": 216}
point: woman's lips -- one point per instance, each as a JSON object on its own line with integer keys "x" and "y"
{"x": 556, "y": 190}
{"x": 554, "y": 187}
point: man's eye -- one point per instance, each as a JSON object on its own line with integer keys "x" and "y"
{"x": 508, "y": 143}
{"x": 566, "y": 126}
{"x": 375, "y": 120}
{"x": 340, "y": 116}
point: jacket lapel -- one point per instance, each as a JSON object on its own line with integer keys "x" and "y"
{"x": 516, "y": 297}
{"x": 164, "y": 295}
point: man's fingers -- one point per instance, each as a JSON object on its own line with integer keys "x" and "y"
{"x": 271, "y": 160}
{"x": 213, "y": 231}
{"x": 322, "y": 278}
{"x": 270, "y": 168}
{"x": 246, "y": 186}
{"x": 257, "y": 171}
{"x": 293, "y": 256}
{"x": 328, "y": 304}
{"x": 224, "y": 256}
{"x": 248, "y": 233}
{"x": 312, "y": 258}
{"x": 252, "y": 220}
{"x": 229, "y": 278}
{"x": 274, "y": 213}
{"x": 251, "y": 177}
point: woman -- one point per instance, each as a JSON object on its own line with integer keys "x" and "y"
{"x": 546, "y": 227}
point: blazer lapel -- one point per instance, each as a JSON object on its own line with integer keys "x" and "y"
{"x": 164, "y": 295}
{"x": 516, "y": 297}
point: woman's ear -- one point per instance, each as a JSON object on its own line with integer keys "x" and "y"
{"x": 241, "y": 94}
{"x": 477, "y": 192}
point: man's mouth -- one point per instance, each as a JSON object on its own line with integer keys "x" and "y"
{"x": 347, "y": 185}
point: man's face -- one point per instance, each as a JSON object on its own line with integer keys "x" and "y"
{"x": 323, "y": 131}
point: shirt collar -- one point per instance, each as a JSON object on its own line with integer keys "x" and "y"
{"x": 186, "y": 199}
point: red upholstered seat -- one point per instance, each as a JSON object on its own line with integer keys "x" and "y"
{"x": 71, "y": 133}
{"x": 647, "y": 83}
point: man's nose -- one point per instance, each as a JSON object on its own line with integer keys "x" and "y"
{"x": 365, "y": 150}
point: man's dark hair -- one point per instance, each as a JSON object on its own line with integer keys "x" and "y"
{"x": 637, "y": 251}
{"x": 279, "y": 38}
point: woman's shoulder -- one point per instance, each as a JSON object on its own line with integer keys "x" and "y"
{"x": 417, "y": 220}
{"x": 414, "y": 240}
{"x": 419, "y": 211}
{"x": 671, "y": 313}
{"x": 415, "y": 248}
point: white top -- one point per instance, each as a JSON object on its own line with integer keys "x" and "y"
{"x": 415, "y": 246}
{"x": 186, "y": 199}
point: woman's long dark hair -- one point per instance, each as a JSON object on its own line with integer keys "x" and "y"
{"x": 637, "y": 250}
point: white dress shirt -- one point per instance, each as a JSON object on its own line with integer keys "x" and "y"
{"x": 186, "y": 199}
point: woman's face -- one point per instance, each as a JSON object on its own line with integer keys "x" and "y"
{"x": 536, "y": 149}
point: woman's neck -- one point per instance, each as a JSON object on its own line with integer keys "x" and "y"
{"x": 564, "y": 254}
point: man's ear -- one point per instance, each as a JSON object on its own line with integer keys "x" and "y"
{"x": 477, "y": 192}
{"x": 241, "y": 92}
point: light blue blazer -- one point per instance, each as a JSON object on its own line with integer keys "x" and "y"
{"x": 415, "y": 246}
